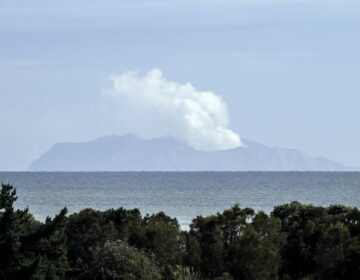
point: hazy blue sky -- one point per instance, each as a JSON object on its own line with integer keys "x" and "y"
{"x": 289, "y": 71}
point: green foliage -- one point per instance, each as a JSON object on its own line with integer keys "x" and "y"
{"x": 321, "y": 243}
{"x": 116, "y": 260}
{"x": 185, "y": 273}
{"x": 256, "y": 253}
{"x": 86, "y": 231}
{"x": 29, "y": 249}
{"x": 338, "y": 256}
{"x": 239, "y": 242}
{"x": 162, "y": 235}
{"x": 296, "y": 241}
{"x": 192, "y": 251}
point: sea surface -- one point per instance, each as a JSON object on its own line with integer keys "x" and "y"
{"x": 183, "y": 195}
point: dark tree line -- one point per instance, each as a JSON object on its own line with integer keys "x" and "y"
{"x": 295, "y": 241}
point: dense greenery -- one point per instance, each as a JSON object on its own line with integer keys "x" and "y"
{"x": 295, "y": 241}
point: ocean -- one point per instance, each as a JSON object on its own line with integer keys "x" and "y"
{"x": 183, "y": 195}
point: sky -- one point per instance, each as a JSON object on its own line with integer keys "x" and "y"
{"x": 285, "y": 73}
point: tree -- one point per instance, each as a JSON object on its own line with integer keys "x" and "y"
{"x": 338, "y": 255}
{"x": 191, "y": 252}
{"x": 240, "y": 243}
{"x": 209, "y": 236}
{"x": 29, "y": 249}
{"x": 128, "y": 225}
{"x": 163, "y": 239}
{"x": 86, "y": 231}
{"x": 318, "y": 240}
{"x": 303, "y": 226}
{"x": 296, "y": 241}
{"x": 116, "y": 260}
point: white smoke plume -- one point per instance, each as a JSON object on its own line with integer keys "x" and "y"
{"x": 154, "y": 106}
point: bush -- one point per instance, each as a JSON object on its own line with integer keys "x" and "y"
{"x": 116, "y": 260}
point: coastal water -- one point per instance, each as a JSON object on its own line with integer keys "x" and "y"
{"x": 183, "y": 195}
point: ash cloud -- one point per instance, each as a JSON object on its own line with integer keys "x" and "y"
{"x": 153, "y": 106}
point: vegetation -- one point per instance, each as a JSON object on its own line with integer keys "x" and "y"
{"x": 295, "y": 241}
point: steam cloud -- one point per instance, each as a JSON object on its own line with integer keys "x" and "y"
{"x": 156, "y": 107}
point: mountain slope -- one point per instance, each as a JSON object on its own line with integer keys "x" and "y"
{"x": 132, "y": 153}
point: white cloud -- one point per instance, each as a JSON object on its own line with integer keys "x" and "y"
{"x": 152, "y": 106}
